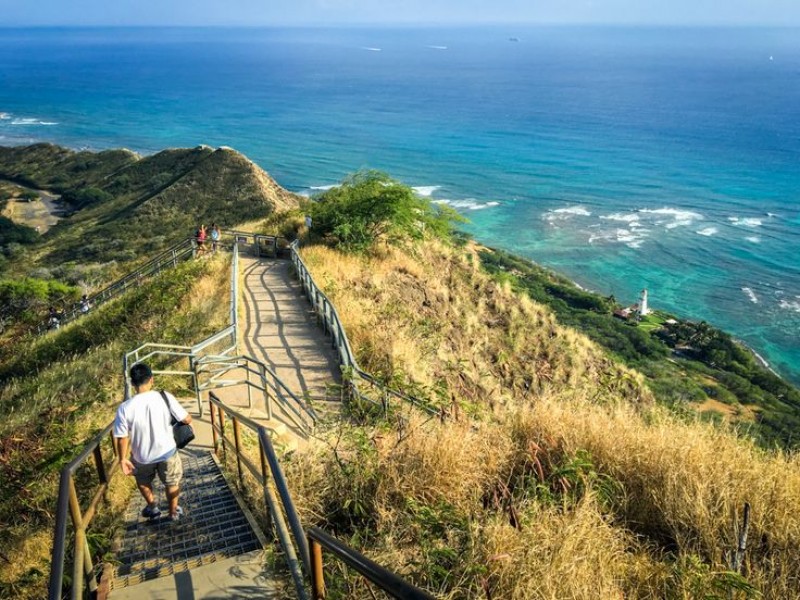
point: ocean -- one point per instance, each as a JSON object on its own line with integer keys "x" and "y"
{"x": 625, "y": 158}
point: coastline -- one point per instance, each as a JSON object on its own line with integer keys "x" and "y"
{"x": 562, "y": 276}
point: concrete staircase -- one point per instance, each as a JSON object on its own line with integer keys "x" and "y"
{"x": 216, "y": 551}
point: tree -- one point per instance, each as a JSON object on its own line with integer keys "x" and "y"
{"x": 369, "y": 207}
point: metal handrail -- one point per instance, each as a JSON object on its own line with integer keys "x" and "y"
{"x": 269, "y": 381}
{"x": 332, "y": 324}
{"x": 270, "y": 469}
{"x": 294, "y": 539}
{"x": 68, "y": 508}
{"x": 192, "y": 352}
{"x": 387, "y": 581}
{"x": 169, "y": 258}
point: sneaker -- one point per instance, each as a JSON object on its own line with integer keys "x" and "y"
{"x": 151, "y": 512}
{"x": 178, "y": 515}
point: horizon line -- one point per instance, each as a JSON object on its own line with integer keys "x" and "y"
{"x": 400, "y": 24}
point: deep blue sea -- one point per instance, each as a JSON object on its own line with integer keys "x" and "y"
{"x": 625, "y": 158}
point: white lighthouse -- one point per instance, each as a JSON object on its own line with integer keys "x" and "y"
{"x": 643, "y": 310}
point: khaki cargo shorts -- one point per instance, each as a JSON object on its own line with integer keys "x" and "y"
{"x": 169, "y": 471}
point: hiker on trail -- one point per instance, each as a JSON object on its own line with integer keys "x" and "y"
{"x": 143, "y": 427}
{"x": 200, "y": 236}
{"x": 215, "y": 235}
{"x": 53, "y": 319}
{"x": 85, "y": 306}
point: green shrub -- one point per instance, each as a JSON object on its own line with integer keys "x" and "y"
{"x": 26, "y": 300}
{"x": 86, "y": 197}
{"x": 369, "y": 207}
{"x": 11, "y": 232}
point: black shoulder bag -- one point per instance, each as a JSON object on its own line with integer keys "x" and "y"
{"x": 182, "y": 432}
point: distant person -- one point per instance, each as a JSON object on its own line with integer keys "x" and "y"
{"x": 215, "y": 235}
{"x": 143, "y": 426}
{"x": 85, "y": 306}
{"x": 200, "y": 236}
{"x": 53, "y": 319}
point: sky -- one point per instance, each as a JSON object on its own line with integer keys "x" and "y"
{"x": 340, "y": 12}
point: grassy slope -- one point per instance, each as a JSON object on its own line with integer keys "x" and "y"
{"x": 139, "y": 204}
{"x": 573, "y": 484}
{"x": 66, "y": 386}
{"x": 710, "y": 366}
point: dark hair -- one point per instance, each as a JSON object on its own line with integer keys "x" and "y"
{"x": 140, "y": 373}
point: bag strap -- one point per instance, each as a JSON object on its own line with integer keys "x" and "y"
{"x": 169, "y": 408}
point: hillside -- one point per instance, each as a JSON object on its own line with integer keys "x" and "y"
{"x": 120, "y": 204}
{"x": 116, "y": 210}
{"x": 556, "y": 475}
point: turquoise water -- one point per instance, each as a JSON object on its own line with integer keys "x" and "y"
{"x": 625, "y": 158}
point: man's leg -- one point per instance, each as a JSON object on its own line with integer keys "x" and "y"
{"x": 173, "y": 491}
{"x": 172, "y": 473}
{"x": 144, "y": 481}
{"x": 146, "y": 489}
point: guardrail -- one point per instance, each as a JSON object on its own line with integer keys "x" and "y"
{"x": 302, "y": 549}
{"x": 266, "y": 381}
{"x": 387, "y": 581}
{"x": 271, "y": 246}
{"x": 168, "y": 259}
{"x": 229, "y": 335}
{"x": 268, "y": 471}
{"x": 69, "y": 508}
{"x": 332, "y": 324}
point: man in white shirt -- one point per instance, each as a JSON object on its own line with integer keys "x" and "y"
{"x": 143, "y": 426}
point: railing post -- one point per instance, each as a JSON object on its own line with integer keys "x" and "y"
{"x": 100, "y": 465}
{"x": 267, "y": 397}
{"x": 249, "y": 387}
{"x": 221, "y": 414}
{"x": 264, "y": 478}
{"x": 317, "y": 575}
{"x": 213, "y": 425}
{"x": 82, "y": 564}
{"x": 237, "y": 445}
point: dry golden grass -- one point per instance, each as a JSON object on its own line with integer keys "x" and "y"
{"x": 685, "y": 485}
{"x": 556, "y": 554}
{"x": 437, "y": 318}
{"x": 650, "y": 513}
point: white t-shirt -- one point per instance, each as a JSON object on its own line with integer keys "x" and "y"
{"x": 145, "y": 419}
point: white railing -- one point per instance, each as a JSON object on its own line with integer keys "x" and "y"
{"x": 229, "y": 337}
{"x": 332, "y": 324}
{"x": 168, "y": 259}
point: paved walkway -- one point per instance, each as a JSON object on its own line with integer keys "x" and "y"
{"x": 282, "y": 331}
{"x": 279, "y": 330}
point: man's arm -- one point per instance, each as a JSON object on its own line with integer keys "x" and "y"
{"x": 122, "y": 453}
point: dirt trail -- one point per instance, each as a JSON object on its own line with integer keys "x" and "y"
{"x": 41, "y": 214}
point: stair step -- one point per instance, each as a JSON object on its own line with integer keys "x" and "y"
{"x": 214, "y": 527}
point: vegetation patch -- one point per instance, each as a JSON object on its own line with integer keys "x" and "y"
{"x": 682, "y": 360}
